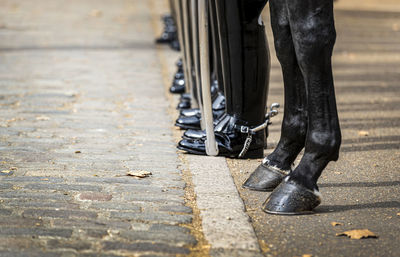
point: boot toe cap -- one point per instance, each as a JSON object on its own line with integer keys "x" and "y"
{"x": 195, "y": 134}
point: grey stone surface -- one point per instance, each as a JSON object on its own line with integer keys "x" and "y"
{"x": 223, "y": 252}
{"x": 155, "y": 217}
{"x": 225, "y": 223}
{"x": 4, "y": 231}
{"x": 82, "y": 102}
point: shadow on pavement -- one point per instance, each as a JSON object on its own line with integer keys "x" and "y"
{"x": 362, "y": 184}
{"x": 341, "y": 208}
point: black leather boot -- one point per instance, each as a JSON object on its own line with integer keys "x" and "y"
{"x": 191, "y": 118}
{"x": 184, "y": 103}
{"x": 190, "y": 112}
{"x": 169, "y": 35}
{"x": 178, "y": 82}
{"x": 230, "y": 143}
{"x": 245, "y": 68}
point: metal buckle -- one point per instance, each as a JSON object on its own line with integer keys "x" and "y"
{"x": 251, "y": 131}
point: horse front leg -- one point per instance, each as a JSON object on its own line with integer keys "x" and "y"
{"x": 277, "y": 165}
{"x": 314, "y": 36}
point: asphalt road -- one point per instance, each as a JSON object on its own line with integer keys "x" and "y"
{"x": 362, "y": 189}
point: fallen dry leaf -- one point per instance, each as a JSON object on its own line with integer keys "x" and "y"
{"x": 42, "y": 118}
{"x": 306, "y": 255}
{"x": 6, "y": 172}
{"x": 358, "y": 234}
{"x": 139, "y": 173}
{"x": 398, "y": 214}
{"x": 96, "y": 13}
{"x": 363, "y": 133}
{"x": 78, "y": 152}
{"x": 334, "y": 224}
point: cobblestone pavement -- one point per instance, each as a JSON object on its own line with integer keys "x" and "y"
{"x": 81, "y": 104}
{"x": 361, "y": 190}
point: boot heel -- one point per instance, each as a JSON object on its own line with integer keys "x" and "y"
{"x": 254, "y": 154}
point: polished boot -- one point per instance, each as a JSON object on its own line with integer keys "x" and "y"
{"x": 193, "y": 122}
{"x": 184, "y": 103}
{"x": 190, "y": 112}
{"x": 178, "y": 82}
{"x": 169, "y": 35}
{"x": 230, "y": 143}
{"x": 191, "y": 118}
{"x": 245, "y": 68}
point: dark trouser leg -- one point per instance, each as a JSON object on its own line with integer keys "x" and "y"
{"x": 313, "y": 26}
{"x": 244, "y": 59}
{"x": 245, "y": 70}
{"x": 216, "y": 45}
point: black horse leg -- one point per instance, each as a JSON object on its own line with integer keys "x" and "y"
{"x": 314, "y": 26}
{"x": 314, "y": 36}
{"x": 276, "y": 166}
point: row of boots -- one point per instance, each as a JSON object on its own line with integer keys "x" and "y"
{"x": 240, "y": 63}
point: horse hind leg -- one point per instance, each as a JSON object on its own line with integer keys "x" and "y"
{"x": 313, "y": 28}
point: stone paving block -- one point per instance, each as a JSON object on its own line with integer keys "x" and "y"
{"x": 111, "y": 180}
{"x": 139, "y": 188}
{"x": 11, "y": 231}
{"x": 28, "y": 254}
{"x": 144, "y": 247}
{"x": 8, "y": 243}
{"x": 178, "y": 239}
{"x": 5, "y": 186}
{"x": 169, "y": 228}
{"x": 95, "y": 196}
{"x": 64, "y": 244}
{"x": 96, "y": 233}
{"x": 176, "y": 208}
{"x": 36, "y": 213}
{"x": 91, "y": 223}
{"x": 154, "y": 198}
{"x": 13, "y": 221}
{"x": 33, "y": 179}
{"x": 122, "y": 206}
{"x": 36, "y": 204}
{"x": 234, "y": 253}
{"x": 35, "y": 196}
{"x": 98, "y": 255}
{"x": 63, "y": 187}
{"x": 5, "y": 212}
{"x": 153, "y": 217}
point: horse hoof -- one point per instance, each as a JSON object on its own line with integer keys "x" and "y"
{"x": 265, "y": 178}
{"x": 290, "y": 198}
